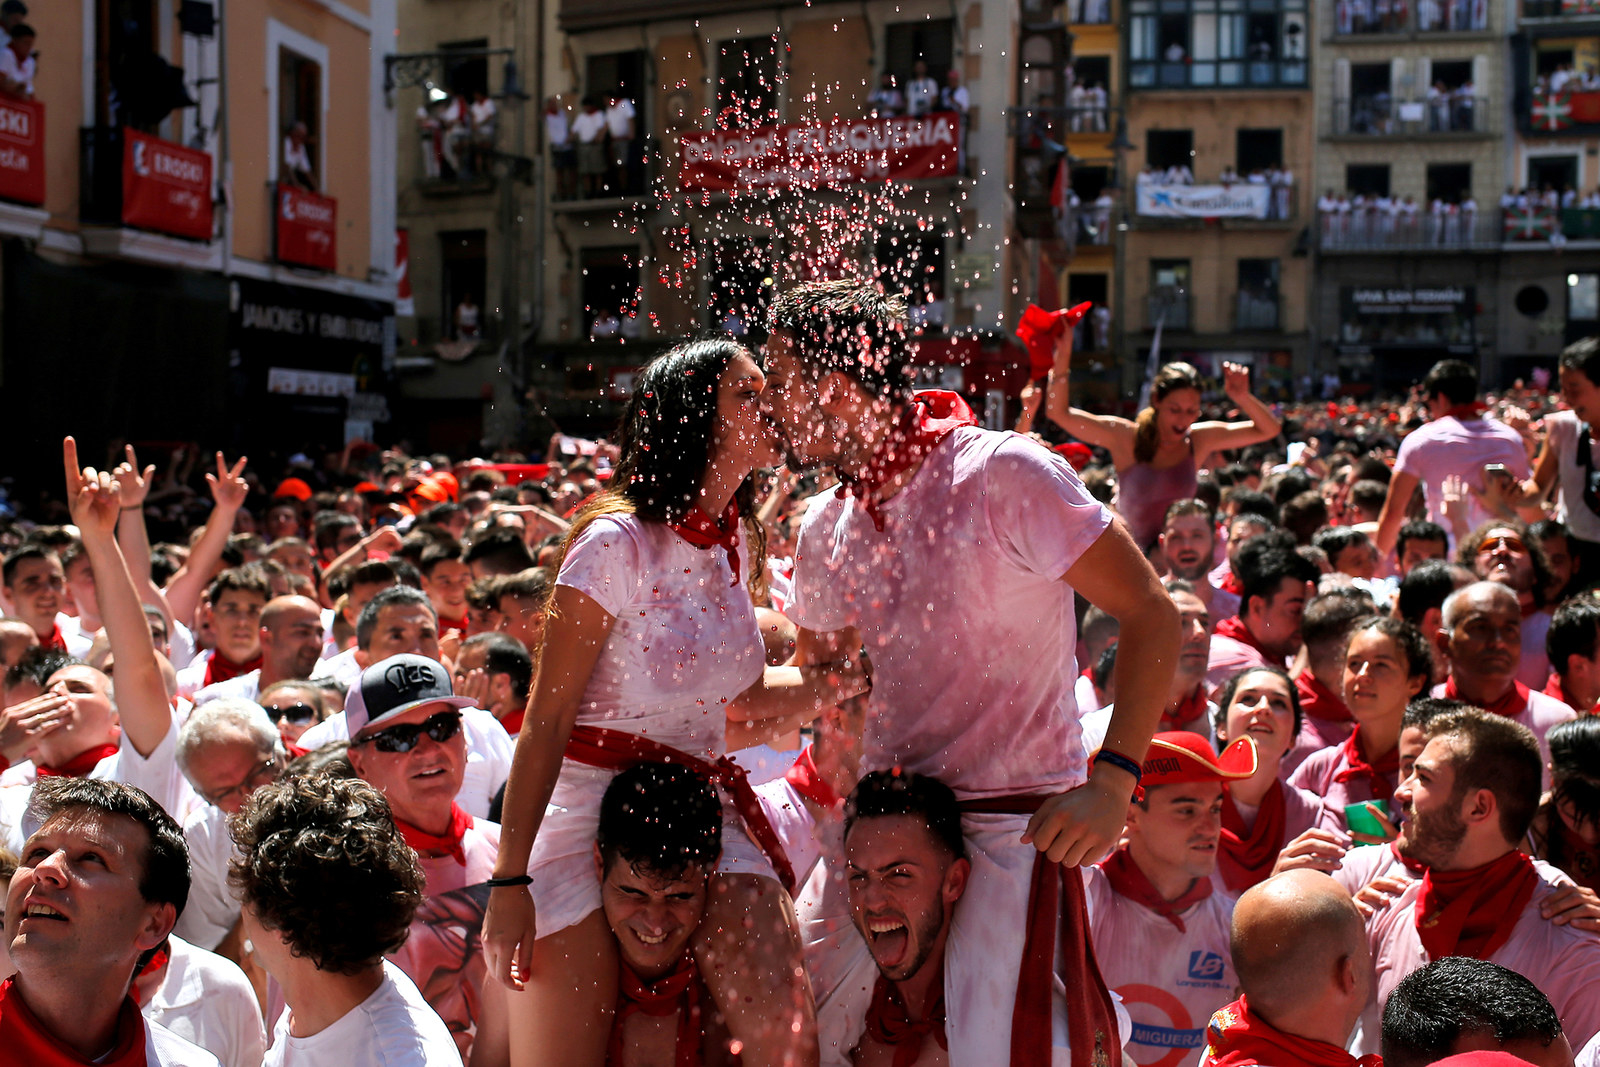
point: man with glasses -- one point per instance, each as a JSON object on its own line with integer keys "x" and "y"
{"x": 407, "y": 742}
{"x": 291, "y": 642}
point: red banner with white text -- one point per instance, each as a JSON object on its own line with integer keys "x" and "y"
{"x": 21, "y": 151}
{"x": 306, "y": 229}
{"x": 165, "y": 187}
{"x": 842, "y": 153}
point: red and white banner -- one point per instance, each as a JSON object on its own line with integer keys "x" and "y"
{"x": 306, "y": 229}
{"x": 21, "y": 151}
{"x": 165, "y": 187}
{"x": 404, "y": 302}
{"x": 844, "y": 153}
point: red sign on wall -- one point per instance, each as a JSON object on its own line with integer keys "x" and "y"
{"x": 165, "y": 187}
{"x": 306, "y": 228}
{"x": 21, "y": 151}
{"x": 844, "y": 153}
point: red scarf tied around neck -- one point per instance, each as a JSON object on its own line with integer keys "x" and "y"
{"x": 929, "y": 418}
{"x": 449, "y": 841}
{"x": 1188, "y": 710}
{"x": 1234, "y": 627}
{"x": 1382, "y": 773}
{"x": 25, "y": 1040}
{"x": 219, "y": 669}
{"x": 809, "y": 782}
{"x": 678, "y": 993}
{"x": 1514, "y": 703}
{"x": 891, "y": 1024}
{"x": 1129, "y": 881}
{"x": 1318, "y": 701}
{"x": 1246, "y": 856}
{"x": 78, "y": 766}
{"x": 1236, "y": 1037}
{"x": 1471, "y": 912}
{"x": 55, "y": 641}
{"x": 702, "y": 531}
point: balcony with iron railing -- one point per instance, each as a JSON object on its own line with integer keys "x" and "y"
{"x": 1552, "y": 10}
{"x": 1443, "y": 16}
{"x": 1170, "y": 309}
{"x": 1256, "y": 310}
{"x": 1379, "y": 115}
{"x": 1239, "y": 73}
{"x": 1448, "y": 232}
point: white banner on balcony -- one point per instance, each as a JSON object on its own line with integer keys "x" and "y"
{"x": 1242, "y": 201}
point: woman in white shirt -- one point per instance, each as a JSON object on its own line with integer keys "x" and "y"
{"x": 652, "y": 640}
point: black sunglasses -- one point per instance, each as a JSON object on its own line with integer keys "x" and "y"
{"x": 294, "y": 713}
{"x": 403, "y": 738}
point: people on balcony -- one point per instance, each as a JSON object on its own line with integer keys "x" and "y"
{"x": 12, "y": 12}
{"x": 17, "y": 62}
{"x": 485, "y": 118}
{"x": 559, "y": 144}
{"x": 469, "y": 318}
{"x": 886, "y": 100}
{"x": 295, "y": 169}
{"x": 922, "y": 92}
{"x": 621, "y": 133}
{"x": 589, "y": 129}
{"x": 430, "y": 133}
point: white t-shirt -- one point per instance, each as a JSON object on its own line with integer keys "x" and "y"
{"x": 22, "y": 72}
{"x": 394, "y": 1027}
{"x": 242, "y": 686}
{"x": 589, "y": 126}
{"x": 619, "y": 117}
{"x": 212, "y": 909}
{"x": 960, "y": 602}
{"x": 489, "y": 751}
{"x": 557, "y": 129}
{"x": 1563, "y": 441}
{"x": 341, "y": 667}
{"x": 207, "y": 1000}
{"x": 1450, "y": 446}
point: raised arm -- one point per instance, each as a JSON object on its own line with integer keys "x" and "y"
{"x": 228, "y": 490}
{"x": 132, "y": 535}
{"x": 141, "y": 692}
{"x": 1393, "y": 514}
{"x": 1108, "y": 431}
{"x": 1263, "y": 425}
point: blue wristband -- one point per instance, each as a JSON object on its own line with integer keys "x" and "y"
{"x": 1117, "y": 759}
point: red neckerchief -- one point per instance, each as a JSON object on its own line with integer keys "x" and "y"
{"x": 1246, "y": 857}
{"x": 1471, "y": 913}
{"x": 513, "y": 721}
{"x": 1057, "y": 945}
{"x": 809, "y": 783}
{"x": 617, "y": 750}
{"x": 1188, "y": 710}
{"x": 1318, "y": 701}
{"x": 1129, "y": 881}
{"x": 220, "y": 669}
{"x": 162, "y": 957}
{"x": 702, "y": 531}
{"x": 1233, "y": 626}
{"x": 1236, "y": 1037}
{"x": 294, "y": 750}
{"x": 926, "y": 420}
{"x": 55, "y": 640}
{"x": 1572, "y": 853}
{"x": 1514, "y": 703}
{"x": 1383, "y": 772}
{"x": 1468, "y": 411}
{"x": 449, "y": 841}
{"x": 1554, "y": 688}
{"x": 1232, "y": 584}
{"x": 1413, "y": 868}
{"x": 78, "y": 765}
{"x": 462, "y": 625}
{"x": 889, "y": 1023}
{"x": 678, "y": 993}
{"x": 25, "y": 1039}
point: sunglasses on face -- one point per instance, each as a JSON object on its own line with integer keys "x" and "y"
{"x": 295, "y": 713}
{"x": 1494, "y": 544}
{"x": 403, "y": 738}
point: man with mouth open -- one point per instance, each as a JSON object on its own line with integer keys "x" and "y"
{"x": 1161, "y": 933}
{"x": 405, "y": 725}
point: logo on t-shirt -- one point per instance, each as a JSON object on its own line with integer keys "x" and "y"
{"x": 1205, "y": 966}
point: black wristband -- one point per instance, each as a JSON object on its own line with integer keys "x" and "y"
{"x": 507, "y": 883}
{"x": 134, "y": 507}
{"x": 1117, "y": 759}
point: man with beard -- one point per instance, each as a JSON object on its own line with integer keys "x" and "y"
{"x": 1469, "y": 800}
{"x": 941, "y": 528}
{"x": 1275, "y": 583}
{"x": 1160, "y": 929}
{"x": 1481, "y": 628}
{"x": 1188, "y": 544}
{"x": 291, "y": 641}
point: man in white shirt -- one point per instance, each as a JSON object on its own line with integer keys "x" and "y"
{"x": 922, "y": 92}
{"x": 17, "y": 64}
{"x": 291, "y": 641}
{"x": 344, "y": 1005}
{"x": 620, "y": 115}
{"x": 296, "y": 164}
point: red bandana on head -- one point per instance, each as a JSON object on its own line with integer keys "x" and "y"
{"x": 25, "y": 1040}
{"x": 1129, "y": 881}
{"x": 1383, "y": 773}
{"x": 1236, "y": 1037}
{"x": 891, "y": 1024}
{"x": 1471, "y": 912}
{"x": 449, "y": 841}
{"x": 220, "y": 669}
{"x": 1514, "y": 703}
{"x": 78, "y": 766}
{"x": 928, "y": 419}
{"x": 702, "y": 531}
{"x": 678, "y": 993}
{"x": 1245, "y": 857}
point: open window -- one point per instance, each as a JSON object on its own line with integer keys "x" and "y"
{"x": 747, "y": 82}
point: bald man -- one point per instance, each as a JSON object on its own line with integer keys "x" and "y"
{"x": 1300, "y": 951}
{"x": 291, "y": 643}
{"x": 16, "y": 637}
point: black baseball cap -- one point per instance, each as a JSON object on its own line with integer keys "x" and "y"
{"x": 394, "y": 686}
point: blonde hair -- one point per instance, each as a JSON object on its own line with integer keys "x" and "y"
{"x": 1169, "y": 379}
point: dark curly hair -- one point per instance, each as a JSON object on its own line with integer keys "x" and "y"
{"x": 660, "y": 817}
{"x": 321, "y": 862}
{"x": 1467, "y": 553}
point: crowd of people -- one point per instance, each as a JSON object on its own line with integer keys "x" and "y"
{"x": 1259, "y": 739}
{"x": 1361, "y": 219}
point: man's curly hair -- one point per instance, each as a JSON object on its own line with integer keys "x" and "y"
{"x": 853, "y": 327}
{"x": 322, "y": 863}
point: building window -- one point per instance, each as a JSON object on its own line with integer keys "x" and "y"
{"x": 1198, "y": 44}
{"x": 1166, "y": 149}
{"x": 1367, "y": 179}
{"x": 913, "y": 264}
{"x": 1169, "y": 293}
{"x": 1453, "y": 16}
{"x": 1257, "y": 305}
{"x": 610, "y": 292}
{"x": 933, "y": 41}
{"x": 1559, "y": 173}
{"x": 741, "y": 284}
{"x": 299, "y": 119}
{"x": 615, "y": 81}
{"x": 1093, "y": 332}
{"x": 1450, "y": 182}
{"x": 1258, "y": 150}
{"x": 747, "y": 82}
{"x": 463, "y": 276}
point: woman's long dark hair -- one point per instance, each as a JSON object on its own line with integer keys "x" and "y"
{"x": 666, "y": 440}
